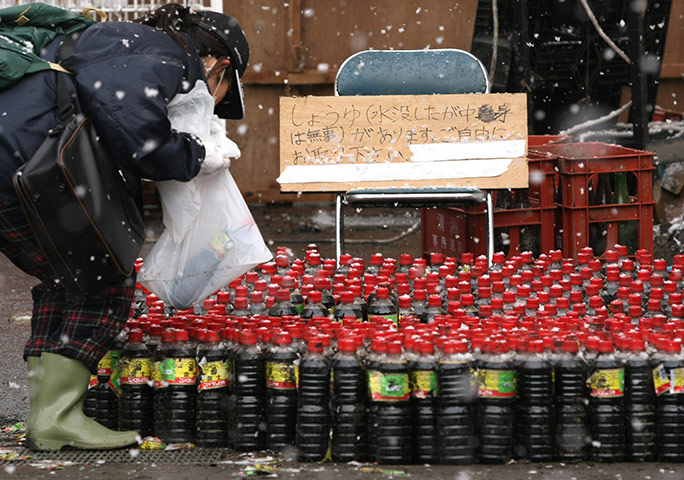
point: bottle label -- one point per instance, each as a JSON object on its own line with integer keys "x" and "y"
{"x": 105, "y": 365}
{"x": 388, "y": 387}
{"x": 135, "y": 371}
{"x": 607, "y": 383}
{"x": 423, "y": 383}
{"x": 114, "y": 381}
{"x": 677, "y": 380}
{"x": 180, "y": 371}
{"x": 496, "y": 383}
{"x": 92, "y": 382}
{"x": 213, "y": 375}
{"x": 157, "y": 374}
{"x": 221, "y": 244}
{"x": 661, "y": 380}
{"x": 281, "y": 376}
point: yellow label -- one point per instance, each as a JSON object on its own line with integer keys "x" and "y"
{"x": 157, "y": 374}
{"x": 221, "y": 243}
{"x": 136, "y": 370}
{"x": 213, "y": 375}
{"x": 280, "y": 375}
{"x": 180, "y": 371}
{"x": 496, "y": 383}
{"x": 607, "y": 383}
{"x": 423, "y": 383}
{"x": 92, "y": 382}
{"x": 104, "y": 366}
{"x": 677, "y": 380}
{"x": 661, "y": 380}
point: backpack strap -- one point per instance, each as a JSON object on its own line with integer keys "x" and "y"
{"x": 64, "y": 103}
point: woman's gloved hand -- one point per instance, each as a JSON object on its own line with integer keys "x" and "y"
{"x": 219, "y": 149}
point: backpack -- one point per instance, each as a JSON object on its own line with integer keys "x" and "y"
{"x": 25, "y": 30}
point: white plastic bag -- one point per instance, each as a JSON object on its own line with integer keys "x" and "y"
{"x": 222, "y": 243}
{"x": 210, "y": 236}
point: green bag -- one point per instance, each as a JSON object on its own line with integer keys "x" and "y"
{"x": 25, "y": 30}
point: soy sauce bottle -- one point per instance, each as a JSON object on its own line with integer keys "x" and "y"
{"x": 90, "y": 398}
{"x": 180, "y": 399}
{"x": 246, "y": 427}
{"x": 640, "y": 404}
{"x": 313, "y": 410}
{"x": 135, "y": 403}
{"x": 159, "y": 385}
{"x": 423, "y": 376}
{"x": 349, "y": 408}
{"x": 456, "y": 405}
{"x": 607, "y": 405}
{"x": 495, "y": 403}
{"x": 314, "y": 306}
{"x": 212, "y": 392}
{"x": 670, "y": 404}
{"x": 281, "y": 394}
{"x": 389, "y": 389}
{"x": 378, "y": 349}
{"x": 283, "y": 305}
{"x": 107, "y": 398}
{"x": 534, "y": 418}
{"x": 570, "y": 404}
{"x": 347, "y": 308}
{"x": 382, "y": 306}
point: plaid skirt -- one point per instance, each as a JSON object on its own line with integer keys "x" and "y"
{"x": 82, "y": 327}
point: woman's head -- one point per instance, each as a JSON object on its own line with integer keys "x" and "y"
{"x": 219, "y": 41}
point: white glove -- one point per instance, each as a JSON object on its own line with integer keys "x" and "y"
{"x": 219, "y": 149}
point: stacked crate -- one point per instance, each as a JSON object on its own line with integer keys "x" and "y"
{"x": 522, "y": 217}
{"x": 571, "y": 203}
{"x": 591, "y": 209}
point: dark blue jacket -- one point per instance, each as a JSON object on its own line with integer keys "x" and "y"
{"x": 125, "y": 75}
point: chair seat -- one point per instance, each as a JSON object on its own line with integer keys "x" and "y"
{"x": 418, "y": 197}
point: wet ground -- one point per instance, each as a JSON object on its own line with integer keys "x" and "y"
{"x": 389, "y": 231}
{"x": 236, "y": 467}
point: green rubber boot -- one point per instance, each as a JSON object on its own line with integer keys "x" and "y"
{"x": 56, "y": 418}
{"x": 35, "y": 372}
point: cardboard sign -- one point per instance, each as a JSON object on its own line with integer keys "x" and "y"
{"x": 335, "y": 144}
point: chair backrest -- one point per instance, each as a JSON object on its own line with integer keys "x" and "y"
{"x": 411, "y": 72}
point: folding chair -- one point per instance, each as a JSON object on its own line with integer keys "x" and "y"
{"x": 411, "y": 72}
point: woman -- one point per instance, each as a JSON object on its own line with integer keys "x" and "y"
{"x": 124, "y": 75}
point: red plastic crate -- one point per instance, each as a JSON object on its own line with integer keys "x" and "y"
{"x": 444, "y": 230}
{"x": 543, "y": 179}
{"x": 583, "y": 166}
{"x": 452, "y": 231}
{"x": 539, "y": 140}
{"x": 598, "y": 226}
{"x": 661, "y": 114}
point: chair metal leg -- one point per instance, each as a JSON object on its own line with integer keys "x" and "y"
{"x": 490, "y": 228}
{"x": 339, "y": 227}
